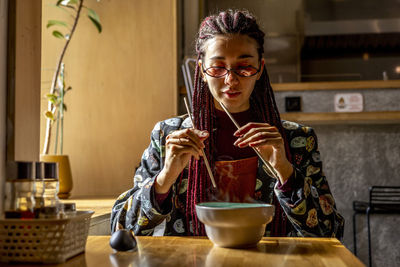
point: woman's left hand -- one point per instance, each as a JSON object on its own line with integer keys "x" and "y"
{"x": 269, "y": 142}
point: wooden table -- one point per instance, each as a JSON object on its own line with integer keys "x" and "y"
{"x": 188, "y": 251}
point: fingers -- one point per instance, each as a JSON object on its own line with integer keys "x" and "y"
{"x": 266, "y": 132}
{"x": 195, "y": 136}
{"x": 258, "y": 134}
{"x": 253, "y": 125}
{"x": 271, "y": 141}
{"x": 177, "y": 150}
{"x": 255, "y": 142}
{"x": 187, "y": 141}
{"x": 182, "y": 145}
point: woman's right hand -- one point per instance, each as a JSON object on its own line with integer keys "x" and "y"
{"x": 180, "y": 146}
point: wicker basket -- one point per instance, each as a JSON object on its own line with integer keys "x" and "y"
{"x": 43, "y": 240}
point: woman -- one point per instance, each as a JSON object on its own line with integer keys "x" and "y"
{"x": 172, "y": 177}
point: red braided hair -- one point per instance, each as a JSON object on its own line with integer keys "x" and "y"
{"x": 262, "y": 103}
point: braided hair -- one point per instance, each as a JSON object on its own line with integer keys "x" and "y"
{"x": 262, "y": 103}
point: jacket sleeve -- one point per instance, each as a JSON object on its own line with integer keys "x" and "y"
{"x": 306, "y": 197}
{"x": 137, "y": 208}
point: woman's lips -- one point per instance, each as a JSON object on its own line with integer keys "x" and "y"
{"x": 231, "y": 94}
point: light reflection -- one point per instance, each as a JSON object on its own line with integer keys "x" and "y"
{"x": 124, "y": 259}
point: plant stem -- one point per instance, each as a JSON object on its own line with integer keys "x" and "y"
{"x": 55, "y": 78}
{"x": 56, "y": 141}
{"x": 61, "y": 106}
{"x": 62, "y": 135}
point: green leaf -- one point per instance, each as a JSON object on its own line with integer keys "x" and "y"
{"x": 67, "y": 2}
{"x": 66, "y": 90}
{"x": 51, "y": 95}
{"x": 49, "y": 115}
{"x": 52, "y": 98}
{"x": 95, "y": 19}
{"x": 58, "y": 34}
{"x": 56, "y": 22}
{"x": 63, "y": 9}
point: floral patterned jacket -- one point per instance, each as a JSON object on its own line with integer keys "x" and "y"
{"x": 306, "y": 200}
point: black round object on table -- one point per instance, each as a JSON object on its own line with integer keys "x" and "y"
{"x": 123, "y": 240}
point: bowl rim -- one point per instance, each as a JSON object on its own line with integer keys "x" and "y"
{"x": 202, "y": 205}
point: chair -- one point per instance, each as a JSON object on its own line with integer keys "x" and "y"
{"x": 382, "y": 200}
{"x": 188, "y": 73}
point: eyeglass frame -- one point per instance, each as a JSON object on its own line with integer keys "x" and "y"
{"x": 232, "y": 69}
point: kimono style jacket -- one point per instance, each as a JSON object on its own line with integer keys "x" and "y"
{"x": 305, "y": 198}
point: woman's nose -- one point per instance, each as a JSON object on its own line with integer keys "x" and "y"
{"x": 231, "y": 78}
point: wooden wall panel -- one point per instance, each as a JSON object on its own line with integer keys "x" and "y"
{"x": 3, "y": 97}
{"x": 124, "y": 80}
{"x": 23, "y": 80}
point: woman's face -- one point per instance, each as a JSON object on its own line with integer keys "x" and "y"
{"x": 232, "y": 52}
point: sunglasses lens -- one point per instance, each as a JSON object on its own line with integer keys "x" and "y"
{"x": 246, "y": 71}
{"x": 216, "y": 72}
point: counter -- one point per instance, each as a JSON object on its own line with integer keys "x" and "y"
{"x": 100, "y": 221}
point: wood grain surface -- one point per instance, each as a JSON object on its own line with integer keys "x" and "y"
{"x": 189, "y": 251}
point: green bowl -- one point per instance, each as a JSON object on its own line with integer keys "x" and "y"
{"x": 235, "y": 224}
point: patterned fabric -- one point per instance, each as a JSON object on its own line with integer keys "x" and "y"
{"x": 305, "y": 198}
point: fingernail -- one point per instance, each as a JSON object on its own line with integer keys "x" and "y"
{"x": 204, "y": 133}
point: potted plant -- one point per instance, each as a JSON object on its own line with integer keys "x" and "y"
{"x": 56, "y": 106}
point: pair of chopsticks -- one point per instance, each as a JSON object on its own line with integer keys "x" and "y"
{"x": 202, "y": 150}
{"x": 269, "y": 168}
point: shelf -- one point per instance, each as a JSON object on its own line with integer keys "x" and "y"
{"x": 310, "y": 86}
{"x": 376, "y": 117}
{"x": 349, "y": 85}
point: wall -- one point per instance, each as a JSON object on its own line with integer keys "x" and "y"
{"x": 3, "y": 95}
{"x": 23, "y": 80}
{"x": 123, "y": 81}
{"x": 356, "y": 157}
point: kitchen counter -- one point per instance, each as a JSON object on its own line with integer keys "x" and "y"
{"x": 191, "y": 251}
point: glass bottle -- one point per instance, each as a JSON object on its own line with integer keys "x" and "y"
{"x": 39, "y": 184}
{"x": 20, "y": 201}
{"x": 51, "y": 205}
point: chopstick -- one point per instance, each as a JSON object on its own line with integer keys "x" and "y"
{"x": 270, "y": 169}
{"x": 202, "y": 150}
